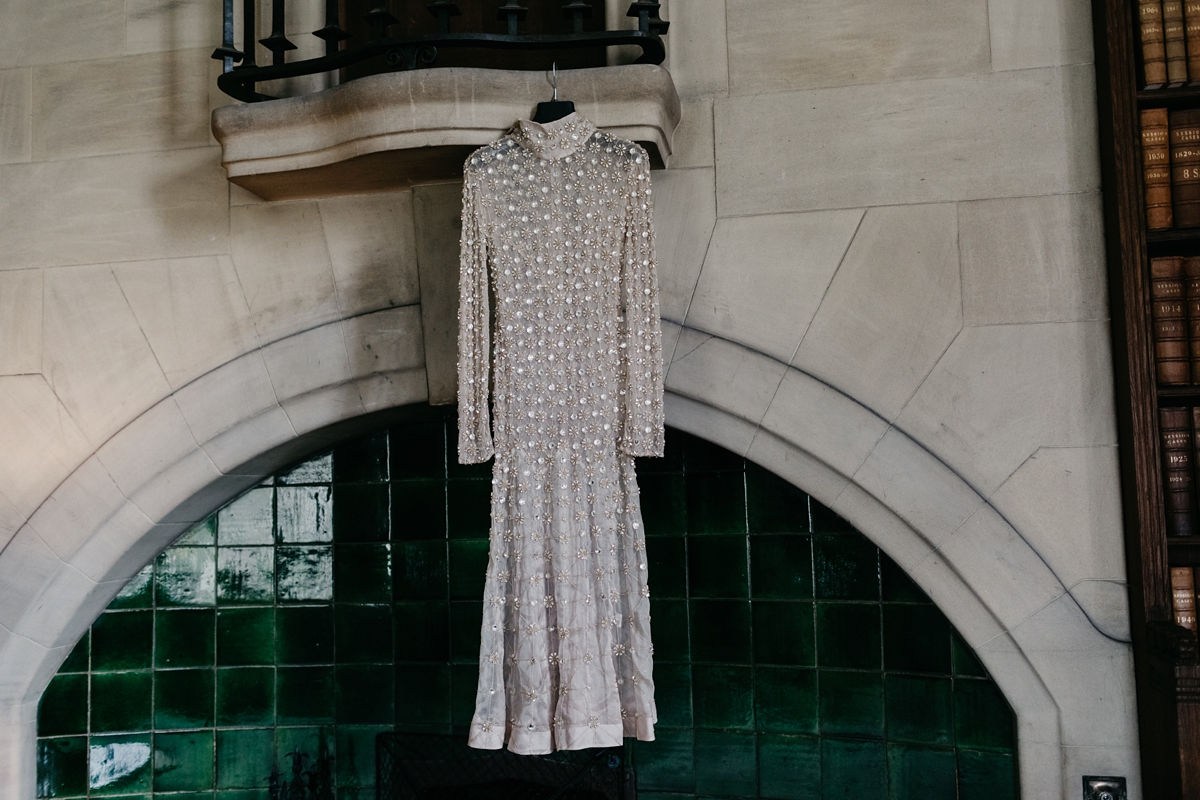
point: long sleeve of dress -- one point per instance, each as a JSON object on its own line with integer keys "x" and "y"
{"x": 474, "y": 350}
{"x": 641, "y": 333}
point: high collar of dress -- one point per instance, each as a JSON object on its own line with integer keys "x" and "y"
{"x": 552, "y": 140}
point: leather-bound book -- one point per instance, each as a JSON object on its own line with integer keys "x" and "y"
{"x": 1174, "y": 42}
{"x": 1183, "y": 597}
{"x": 1156, "y": 168}
{"x": 1191, "y": 26}
{"x": 1184, "y": 136}
{"x": 1179, "y": 497}
{"x": 1154, "y": 52}
{"x": 1168, "y": 309}
{"x": 1191, "y": 290}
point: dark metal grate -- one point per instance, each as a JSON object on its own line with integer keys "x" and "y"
{"x": 424, "y": 767}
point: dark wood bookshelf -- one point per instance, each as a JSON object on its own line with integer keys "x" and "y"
{"x": 1166, "y": 657}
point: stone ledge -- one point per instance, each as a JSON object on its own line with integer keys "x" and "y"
{"x": 394, "y": 130}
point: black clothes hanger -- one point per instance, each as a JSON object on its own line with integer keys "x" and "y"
{"x": 555, "y": 109}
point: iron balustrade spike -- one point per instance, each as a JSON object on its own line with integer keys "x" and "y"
{"x": 577, "y": 10}
{"x": 515, "y": 12}
{"x": 416, "y": 50}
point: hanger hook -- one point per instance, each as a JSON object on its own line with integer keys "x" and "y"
{"x": 554, "y": 79}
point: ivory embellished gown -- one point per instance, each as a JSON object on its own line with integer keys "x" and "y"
{"x": 557, "y": 234}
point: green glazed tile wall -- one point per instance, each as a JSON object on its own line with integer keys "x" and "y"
{"x": 342, "y": 598}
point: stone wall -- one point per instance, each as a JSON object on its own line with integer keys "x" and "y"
{"x": 882, "y": 266}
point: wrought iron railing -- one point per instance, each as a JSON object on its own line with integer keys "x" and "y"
{"x": 242, "y": 72}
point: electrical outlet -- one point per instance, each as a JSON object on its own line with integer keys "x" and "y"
{"x": 1098, "y": 788}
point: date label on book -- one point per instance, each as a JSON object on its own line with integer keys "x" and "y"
{"x": 1098, "y": 788}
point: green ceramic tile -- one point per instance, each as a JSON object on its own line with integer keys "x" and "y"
{"x": 781, "y": 567}
{"x": 921, "y": 773}
{"x": 669, "y": 629}
{"x": 720, "y": 631}
{"x": 304, "y": 635}
{"x": 315, "y": 470}
{"x": 915, "y": 639}
{"x": 244, "y": 758}
{"x": 248, "y": 520}
{"x": 361, "y": 512}
{"x": 246, "y": 696}
{"x": 783, "y": 633}
{"x": 468, "y": 471}
{"x": 664, "y": 504}
{"x": 77, "y": 660}
{"x": 245, "y": 575}
{"x": 469, "y": 508}
{"x": 850, "y": 703}
{"x": 825, "y": 521}
{"x": 986, "y": 776}
{"x": 419, "y": 570}
{"x": 919, "y": 709}
{"x": 138, "y": 593}
{"x": 356, "y": 756}
{"x": 726, "y": 763}
{"x": 119, "y": 765}
{"x": 304, "y": 695}
{"x": 304, "y": 514}
{"x": 772, "y": 504}
{"x": 362, "y": 573}
{"x": 313, "y": 742}
{"x": 789, "y": 767}
{"x": 62, "y": 767}
{"x": 704, "y": 456}
{"x": 468, "y": 568}
{"x": 673, "y": 695}
{"x": 848, "y": 635}
{"x": 667, "y": 764}
{"x": 723, "y": 697}
{"x": 982, "y": 718}
{"x": 716, "y": 502}
{"x": 845, "y": 567}
{"x": 466, "y": 621}
{"x": 186, "y": 576}
{"x": 422, "y": 694}
{"x": 853, "y": 770}
{"x": 120, "y": 702}
{"x": 666, "y": 560}
{"x": 183, "y": 761}
{"x": 672, "y": 457}
{"x": 418, "y": 510}
{"x": 422, "y": 631}
{"x": 717, "y": 566}
{"x": 419, "y": 450}
{"x": 362, "y": 460}
{"x": 245, "y": 637}
{"x": 965, "y": 660}
{"x": 122, "y": 640}
{"x": 243, "y": 794}
{"x": 184, "y": 638}
{"x": 200, "y": 535}
{"x": 363, "y": 634}
{"x": 897, "y": 586}
{"x": 304, "y": 574}
{"x": 183, "y": 699}
{"x": 785, "y": 700}
{"x": 464, "y": 685}
{"x": 63, "y": 709}
{"x": 365, "y": 694}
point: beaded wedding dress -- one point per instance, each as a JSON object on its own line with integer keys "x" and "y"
{"x": 557, "y": 234}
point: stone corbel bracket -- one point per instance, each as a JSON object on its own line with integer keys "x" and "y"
{"x": 393, "y": 130}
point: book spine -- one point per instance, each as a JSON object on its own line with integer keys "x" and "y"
{"x": 1184, "y": 135}
{"x": 1175, "y": 432}
{"x": 1154, "y": 52}
{"x": 1191, "y": 27}
{"x": 1156, "y": 168}
{"x": 1183, "y": 597}
{"x": 1191, "y": 288}
{"x": 1168, "y": 310}
{"x": 1174, "y": 42}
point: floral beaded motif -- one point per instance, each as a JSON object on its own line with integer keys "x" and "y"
{"x": 562, "y": 382}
